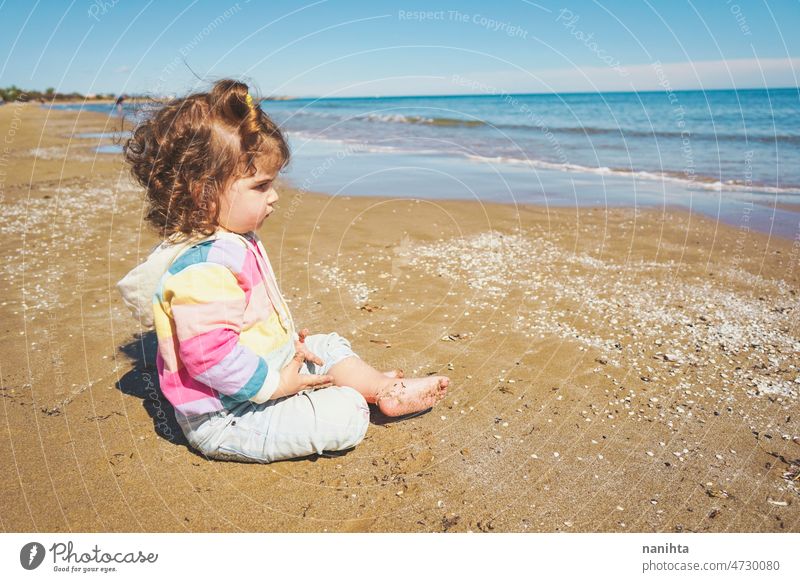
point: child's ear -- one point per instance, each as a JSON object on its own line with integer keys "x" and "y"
{"x": 204, "y": 193}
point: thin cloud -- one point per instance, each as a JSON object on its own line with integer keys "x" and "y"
{"x": 716, "y": 74}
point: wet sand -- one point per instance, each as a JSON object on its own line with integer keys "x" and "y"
{"x": 792, "y": 207}
{"x": 613, "y": 370}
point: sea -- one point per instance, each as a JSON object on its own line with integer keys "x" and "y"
{"x": 732, "y": 155}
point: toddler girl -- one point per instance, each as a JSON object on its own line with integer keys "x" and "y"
{"x": 244, "y": 383}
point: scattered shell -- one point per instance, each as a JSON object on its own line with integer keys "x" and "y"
{"x": 452, "y": 337}
{"x": 720, "y": 493}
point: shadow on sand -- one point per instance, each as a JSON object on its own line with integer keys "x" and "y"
{"x": 142, "y": 382}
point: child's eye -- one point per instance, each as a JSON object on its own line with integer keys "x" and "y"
{"x": 264, "y": 186}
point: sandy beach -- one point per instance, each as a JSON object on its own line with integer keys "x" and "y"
{"x": 613, "y": 370}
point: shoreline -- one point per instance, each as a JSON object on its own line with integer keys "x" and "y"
{"x": 644, "y": 208}
{"x": 790, "y": 206}
{"x": 613, "y": 369}
{"x": 746, "y": 210}
{"x": 325, "y": 167}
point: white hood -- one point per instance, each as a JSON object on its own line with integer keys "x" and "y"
{"x": 141, "y": 283}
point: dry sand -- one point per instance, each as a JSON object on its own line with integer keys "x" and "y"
{"x": 612, "y": 370}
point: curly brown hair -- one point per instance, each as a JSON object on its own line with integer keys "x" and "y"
{"x": 190, "y": 150}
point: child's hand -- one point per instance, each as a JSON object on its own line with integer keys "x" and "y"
{"x": 300, "y": 346}
{"x": 303, "y": 333}
{"x": 292, "y": 381}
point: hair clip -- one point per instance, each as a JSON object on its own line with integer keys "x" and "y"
{"x": 249, "y": 101}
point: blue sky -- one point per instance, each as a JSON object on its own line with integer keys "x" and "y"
{"x": 346, "y": 48}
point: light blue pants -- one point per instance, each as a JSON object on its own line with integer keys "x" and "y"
{"x": 327, "y": 419}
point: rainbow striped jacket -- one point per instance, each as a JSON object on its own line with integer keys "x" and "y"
{"x": 224, "y": 329}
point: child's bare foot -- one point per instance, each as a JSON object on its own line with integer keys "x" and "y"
{"x": 411, "y": 395}
{"x": 396, "y": 373}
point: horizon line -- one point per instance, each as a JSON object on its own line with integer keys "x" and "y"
{"x": 520, "y": 94}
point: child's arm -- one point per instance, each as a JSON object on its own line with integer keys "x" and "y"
{"x": 207, "y": 304}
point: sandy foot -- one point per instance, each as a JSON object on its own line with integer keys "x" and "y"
{"x": 396, "y": 373}
{"x": 412, "y": 395}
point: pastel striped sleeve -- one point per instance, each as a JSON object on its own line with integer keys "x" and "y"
{"x": 207, "y": 305}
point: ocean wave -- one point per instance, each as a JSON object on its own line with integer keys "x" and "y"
{"x": 622, "y": 132}
{"x": 789, "y": 139}
{"x": 698, "y": 181}
{"x": 394, "y": 118}
{"x": 355, "y": 146}
{"x": 419, "y": 119}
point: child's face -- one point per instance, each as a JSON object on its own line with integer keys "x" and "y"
{"x": 248, "y": 201}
